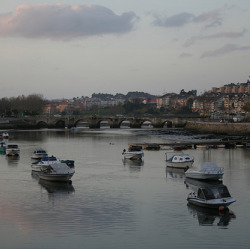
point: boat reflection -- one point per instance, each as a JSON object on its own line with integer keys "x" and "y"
{"x": 53, "y": 187}
{"x": 13, "y": 160}
{"x": 134, "y": 165}
{"x": 196, "y": 184}
{"x": 57, "y": 187}
{"x": 175, "y": 173}
{"x": 130, "y": 162}
{"x": 211, "y": 217}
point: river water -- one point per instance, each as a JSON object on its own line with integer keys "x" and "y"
{"x": 112, "y": 203}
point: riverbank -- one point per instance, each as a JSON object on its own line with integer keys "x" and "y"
{"x": 219, "y": 128}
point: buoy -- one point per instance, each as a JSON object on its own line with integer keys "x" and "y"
{"x": 222, "y": 208}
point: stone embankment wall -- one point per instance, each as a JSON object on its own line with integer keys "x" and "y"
{"x": 220, "y": 128}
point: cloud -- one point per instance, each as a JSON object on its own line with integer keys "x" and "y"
{"x": 224, "y": 50}
{"x": 213, "y": 18}
{"x": 173, "y": 21}
{"x": 193, "y": 39}
{"x": 64, "y": 22}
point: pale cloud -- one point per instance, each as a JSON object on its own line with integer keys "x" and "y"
{"x": 228, "y": 48}
{"x": 193, "y": 39}
{"x": 173, "y": 21}
{"x": 64, "y": 22}
{"x": 212, "y": 18}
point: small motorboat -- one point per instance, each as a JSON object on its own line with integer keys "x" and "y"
{"x": 179, "y": 160}
{"x": 38, "y": 154}
{"x": 12, "y": 150}
{"x": 205, "y": 171}
{"x": 58, "y": 172}
{"x": 133, "y": 153}
{"x": 216, "y": 196}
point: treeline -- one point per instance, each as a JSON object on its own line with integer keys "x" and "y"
{"x": 22, "y": 105}
{"x": 129, "y": 95}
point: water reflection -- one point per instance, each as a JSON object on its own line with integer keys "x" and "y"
{"x": 175, "y": 173}
{"x": 210, "y": 217}
{"x": 57, "y": 187}
{"x": 12, "y": 160}
{"x": 195, "y": 184}
{"x": 134, "y": 165}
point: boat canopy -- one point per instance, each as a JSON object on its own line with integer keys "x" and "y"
{"x": 40, "y": 151}
{"x": 12, "y": 146}
{"x": 217, "y": 192}
{"x": 59, "y": 168}
{"x": 180, "y": 158}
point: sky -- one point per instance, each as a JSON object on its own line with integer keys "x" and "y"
{"x": 74, "y": 48}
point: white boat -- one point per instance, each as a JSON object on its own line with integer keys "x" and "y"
{"x": 211, "y": 197}
{"x": 133, "y": 153}
{"x": 45, "y": 161}
{"x": 179, "y": 160}
{"x": 205, "y": 171}
{"x": 37, "y": 154}
{"x": 58, "y": 172}
{"x": 12, "y": 150}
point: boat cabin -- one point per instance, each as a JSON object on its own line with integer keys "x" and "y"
{"x": 218, "y": 192}
{"x": 179, "y": 158}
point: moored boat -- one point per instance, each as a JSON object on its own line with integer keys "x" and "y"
{"x": 179, "y": 160}
{"x": 58, "y": 172}
{"x": 37, "y": 154}
{"x": 133, "y": 153}
{"x": 12, "y": 150}
{"x": 205, "y": 171}
{"x": 211, "y": 197}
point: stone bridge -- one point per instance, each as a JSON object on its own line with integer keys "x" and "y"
{"x": 94, "y": 121}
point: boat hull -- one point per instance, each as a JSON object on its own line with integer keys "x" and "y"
{"x": 214, "y": 203}
{"x": 133, "y": 155}
{"x": 56, "y": 177}
{"x": 180, "y": 165}
{"x": 203, "y": 176}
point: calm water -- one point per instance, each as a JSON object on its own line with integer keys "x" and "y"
{"x": 115, "y": 204}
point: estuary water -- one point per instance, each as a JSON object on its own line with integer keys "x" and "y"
{"x": 113, "y": 203}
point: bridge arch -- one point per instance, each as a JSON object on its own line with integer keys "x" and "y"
{"x": 60, "y": 123}
{"x": 83, "y": 123}
{"x": 42, "y": 124}
{"x": 167, "y": 123}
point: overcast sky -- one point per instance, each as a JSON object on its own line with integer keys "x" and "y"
{"x": 75, "y": 48}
